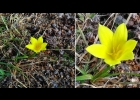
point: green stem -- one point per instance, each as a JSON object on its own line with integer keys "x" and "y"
{"x": 33, "y": 55}
{"x": 102, "y": 73}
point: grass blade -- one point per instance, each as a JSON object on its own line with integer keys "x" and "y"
{"x": 84, "y": 77}
{"x": 81, "y": 70}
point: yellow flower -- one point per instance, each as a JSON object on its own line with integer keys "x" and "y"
{"x": 114, "y": 47}
{"x": 37, "y": 45}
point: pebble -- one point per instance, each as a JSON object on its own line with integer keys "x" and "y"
{"x": 120, "y": 19}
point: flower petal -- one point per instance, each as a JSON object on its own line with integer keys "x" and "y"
{"x": 40, "y": 39}
{"x": 105, "y": 35}
{"x": 121, "y": 34}
{"x": 97, "y": 50}
{"x": 130, "y": 45}
{"x": 33, "y": 40}
{"x": 44, "y": 46}
{"x": 112, "y": 62}
{"x": 127, "y": 56}
{"x": 30, "y": 46}
{"x": 36, "y": 51}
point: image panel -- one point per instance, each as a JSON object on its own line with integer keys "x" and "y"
{"x": 37, "y": 50}
{"x": 107, "y": 50}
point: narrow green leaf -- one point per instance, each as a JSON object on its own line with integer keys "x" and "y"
{"x": 2, "y": 72}
{"x": 84, "y": 77}
{"x": 101, "y": 73}
{"x": 7, "y": 74}
{"x": 132, "y": 74}
{"x": 115, "y": 74}
{"x": 110, "y": 75}
{"x": 77, "y": 31}
{"x": 86, "y": 67}
{"x": 22, "y": 57}
{"x": 81, "y": 70}
{"x": 81, "y": 17}
{"x": 16, "y": 39}
{"x": 92, "y": 15}
{"x": 6, "y": 64}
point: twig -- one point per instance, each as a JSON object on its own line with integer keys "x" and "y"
{"x": 77, "y": 54}
{"x": 88, "y": 85}
{"x": 109, "y": 18}
{"x": 17, "y": 49}
{"x": 108, "y": 81}
{"x": 81, "y": 57}
{"x": 19, "y": 81}
{"x": 137, "y": 57}
{"x": 114, "y": 20}
{"x": 128, "y": 18}
{"x": 16, "y": 29}
{"x": 4, "y": 22}
{"x": 77, "y": 39}
{"x": 82, "y": 34}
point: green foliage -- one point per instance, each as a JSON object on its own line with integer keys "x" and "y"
{"x": 19, "y": 57}
{"x": 4, "y": 21}
{"x": 96, "y": 76}
{"x": 92, "y": 15}
{"x": 3, "y": 74}
{"x": 84, "y": 77}
{"x": 82, "y": 18}
{"x": 2, "y": 28}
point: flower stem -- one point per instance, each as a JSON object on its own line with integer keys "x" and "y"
{"x": 33, "y": 55}
{"x": 101, "y": 73}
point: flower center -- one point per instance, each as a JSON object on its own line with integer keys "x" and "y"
{"x": 38, "y": 46}
{"x": 115, "y": 52}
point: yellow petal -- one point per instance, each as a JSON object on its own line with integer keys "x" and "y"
{"x": 40, "y": 39}
{"x": 33, "y": 40}
{"x": 127, "y": 56}
{"x": 130, "y": 46}
{"x": 97, "y": 50}
{"x": 44, "y": 46}
{"x": 112, "y": 62}
{"x": 36, "y": 51}
{"x": 105, "y": 35}
{"x": 120, "y": 35}
{"x": 29, "y": 46}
